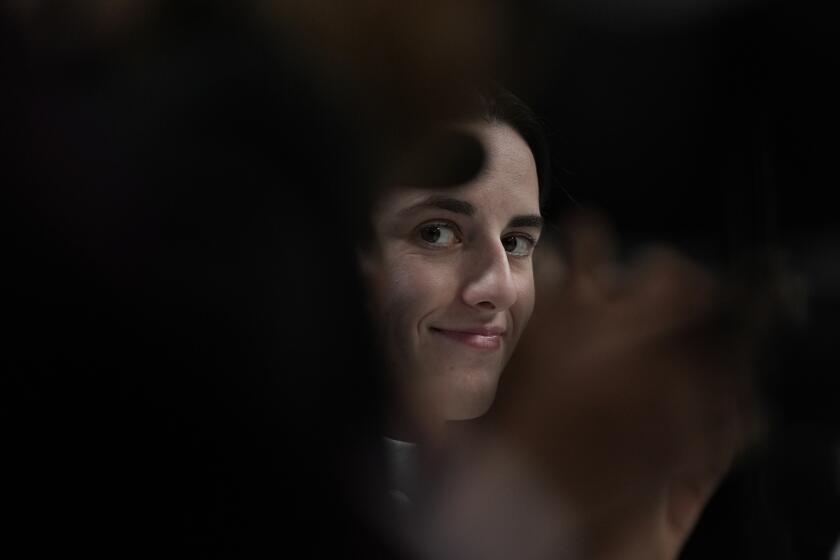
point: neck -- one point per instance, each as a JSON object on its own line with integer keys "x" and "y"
{"x": 413, "y": 428}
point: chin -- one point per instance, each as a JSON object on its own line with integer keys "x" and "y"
{"x": 472, "y": 403}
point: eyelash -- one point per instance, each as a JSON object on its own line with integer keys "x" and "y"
{"x": 441, "y": 224}
{"x": 532, "y": 243}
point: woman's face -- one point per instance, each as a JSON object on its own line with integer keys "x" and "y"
{"x": 451, "y": 277}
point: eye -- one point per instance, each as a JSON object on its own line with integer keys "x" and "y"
{"x": 439, "y": 235}
{"x": 518, "y": 245}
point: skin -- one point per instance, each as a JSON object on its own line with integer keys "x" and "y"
{"x": 451, "y": 279}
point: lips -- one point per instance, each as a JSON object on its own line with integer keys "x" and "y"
{"x": 480, "y": 338}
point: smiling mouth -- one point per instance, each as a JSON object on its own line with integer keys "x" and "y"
{"x": 484, "y": 340}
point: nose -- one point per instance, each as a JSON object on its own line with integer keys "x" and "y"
{"x": 489, "y": 283}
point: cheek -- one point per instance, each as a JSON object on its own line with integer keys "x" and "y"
{"x": 409, "y": 290}
{"x": 524, "y": 306}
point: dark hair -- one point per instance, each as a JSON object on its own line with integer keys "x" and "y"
{"x": 447, "y": 157}
{"x": 500, "y": 105}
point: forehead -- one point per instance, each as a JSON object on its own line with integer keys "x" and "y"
{"x": 506, "y": 183}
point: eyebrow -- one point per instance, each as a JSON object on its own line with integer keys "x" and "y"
{"x": 443, "y": 203}
{"x": 463, "y": 207}
{"x": 530, "y": 221}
